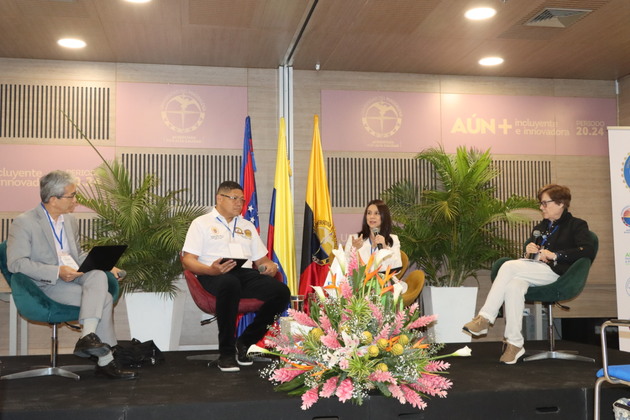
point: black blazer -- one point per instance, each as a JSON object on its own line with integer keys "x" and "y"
{"x": 568, "y": 237}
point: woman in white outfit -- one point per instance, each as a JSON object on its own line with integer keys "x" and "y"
{"x": 375, "y": 234}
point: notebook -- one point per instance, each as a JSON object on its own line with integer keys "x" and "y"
{"x": 102, "y": 257}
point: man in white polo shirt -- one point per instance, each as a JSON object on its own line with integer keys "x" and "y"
{"x": 211, "y": 242}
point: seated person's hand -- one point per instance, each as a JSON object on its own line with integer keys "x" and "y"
{"x": 67, "y": 273}
{"x": 271, "y": 269}
{"x": 358, "y": 242}
{"x": 222, "y": 266}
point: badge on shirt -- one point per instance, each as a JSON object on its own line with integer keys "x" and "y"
{"x": 66, "y": 259}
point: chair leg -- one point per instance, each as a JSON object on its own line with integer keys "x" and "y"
{"x": 552, "y": 353}
{"x": 597, "y": 393}
{"x": 53, "y": 369}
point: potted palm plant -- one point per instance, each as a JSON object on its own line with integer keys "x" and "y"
{"x": 154, "y": 227}
{"x": 455, "y": 229}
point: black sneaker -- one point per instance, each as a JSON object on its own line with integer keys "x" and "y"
{"x": 227, "y": 363}
{"x": 241, "y": 354}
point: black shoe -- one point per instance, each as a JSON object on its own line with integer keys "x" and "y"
{"x": 113, "y": 371}
{"x": 241, "y": 354}
{"x": 227, "y": 363}
{"x": 91, "y": 345}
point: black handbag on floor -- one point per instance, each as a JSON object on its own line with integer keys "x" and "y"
{"x": 136, "y": 354}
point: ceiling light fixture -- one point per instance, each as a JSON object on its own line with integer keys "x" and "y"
{"x": 138, "y": 1}
{"x": 491, "y": 61}
{"x": 71, "y": 43}
{"x": 480, "y": 13}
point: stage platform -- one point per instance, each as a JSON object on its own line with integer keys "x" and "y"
{"x": 185, "y": 389}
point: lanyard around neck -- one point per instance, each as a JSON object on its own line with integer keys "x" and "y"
{"x": 546, "y": 236}
{"x": 58, "y": 238}
{"x": 232, "y": 231}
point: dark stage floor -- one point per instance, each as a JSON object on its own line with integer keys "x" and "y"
{"x": 183, "y": 389}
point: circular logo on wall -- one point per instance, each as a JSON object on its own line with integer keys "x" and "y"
{"x": 382, "y": 117}
{"x": 625, "y": 216}
{"x": 626, "y": 171}
{"x": 183, "y": 111}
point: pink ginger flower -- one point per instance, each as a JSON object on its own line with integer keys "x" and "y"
{"x": 433, "y": 385}
{"x": 413, "y": 308}
{"x": 413, "y": 398}
{"x": 344, "y": 390}
{"x": 301, "y": 318}
{"x": 380, "y": 376}
{"x": 376, "y": 312}
{"x": 325, "y": 322}
{"x": 330, "y": 340}
{"x": 399, "y": 322}
{"x": 385, "y": 332}
{"x": 309, "y": 398}
{"x": 397, "y": 393}
{"x": 346, "y": 289}
{"x": 329, "y": 387}
{"x": 437, "y": 366}
{"x": 353, "y": 263}
{"x": 423, "y": 321}
{"x": 285, "y": 374}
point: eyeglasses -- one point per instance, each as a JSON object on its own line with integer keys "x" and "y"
{"x": 233, "y": 197}
{"x": 545, "y": 202}
{"x": 71, "y": 196}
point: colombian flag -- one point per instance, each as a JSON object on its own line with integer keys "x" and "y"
{"x": 319, "y": 236}
{"x": 281, "y": 235}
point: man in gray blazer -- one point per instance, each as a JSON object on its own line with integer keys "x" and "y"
{"x": 43, "y": 244}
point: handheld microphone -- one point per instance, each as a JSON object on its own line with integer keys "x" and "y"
{"x": 537, "y": 236}
{"x": 375, "y": 232}
{"x": 121, "y": 274}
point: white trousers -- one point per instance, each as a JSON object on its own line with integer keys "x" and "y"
{"x": 90, "y": 292}
{"x": 509, "y": 287}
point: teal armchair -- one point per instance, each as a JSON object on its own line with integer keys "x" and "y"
{"x": 34, "y": 305}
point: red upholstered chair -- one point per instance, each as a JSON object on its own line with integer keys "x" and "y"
{"x": 207, "y": 302}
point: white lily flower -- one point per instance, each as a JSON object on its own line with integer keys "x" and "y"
{"x": 463, "y": 352}
{"x": 319, "y": 291}
{"x": 256, "y": 349}
{"x": 398, "y": 289}
{"x": 340, "y": 258}
{"x": 381, "y": 255}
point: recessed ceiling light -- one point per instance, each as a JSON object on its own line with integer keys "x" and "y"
{"x": 138, "y": 1}
{"x": 71, "y": 43}
{"x": 491, "y": 61}
{"x": 480, "y": 13}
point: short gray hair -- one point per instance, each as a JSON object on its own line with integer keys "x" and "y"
{"x": 54, "y": 184}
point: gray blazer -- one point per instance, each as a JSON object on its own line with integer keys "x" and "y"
{"x": 31, "y": 246}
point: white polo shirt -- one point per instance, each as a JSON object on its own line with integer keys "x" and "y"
{"x": 211, "y": 237}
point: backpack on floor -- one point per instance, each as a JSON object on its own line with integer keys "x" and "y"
{"x": 136, "y": 354}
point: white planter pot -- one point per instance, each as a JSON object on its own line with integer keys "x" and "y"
{"x": 454, "y": 307}
{"x": 156, "y": 317}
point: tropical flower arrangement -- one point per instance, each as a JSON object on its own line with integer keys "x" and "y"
{"x": 357, "y": 338}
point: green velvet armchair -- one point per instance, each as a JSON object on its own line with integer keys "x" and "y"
{"x": 568, "y": 286}
{"x": 34, "y": 305}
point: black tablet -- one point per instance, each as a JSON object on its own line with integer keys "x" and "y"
{"x": 239, "y": 261}
{"x": 102, "y": 257}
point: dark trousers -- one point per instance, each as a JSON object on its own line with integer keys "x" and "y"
{"x": 242, "y": 283}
